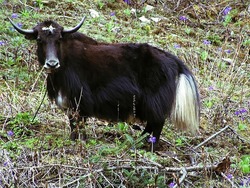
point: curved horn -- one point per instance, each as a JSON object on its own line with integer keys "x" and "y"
{"x": 20, "y": 30}
{"x": 75, "y": 28}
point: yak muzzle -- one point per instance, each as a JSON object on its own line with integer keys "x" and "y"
{"x": 51, "y": 65}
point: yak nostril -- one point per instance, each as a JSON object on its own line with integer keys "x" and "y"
{"x": 52, "y": 64}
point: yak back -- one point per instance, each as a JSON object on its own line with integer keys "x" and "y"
{"x": 112, "y": 80}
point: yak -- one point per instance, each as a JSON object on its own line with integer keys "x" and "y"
{"x": 115, "y": 81}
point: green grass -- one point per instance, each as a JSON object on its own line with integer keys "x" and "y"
{"x": 213, "y": 45}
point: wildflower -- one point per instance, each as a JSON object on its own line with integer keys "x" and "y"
{"x": 112, "y": 14}
{"x": 2, "y": 43}
{"x": 172, "y": 184}
{"x": 210, "y": 88}
{"x": 237, "y": 113}
{"x": 229, "y": 176}
{"x": 240, "y": 111}
{"x": 219, "y": 49}
{"x": 206, "y": 42}
{"x": 10, "y": 133}
{"x": 227, "y": 51}
{"x": 243, "y": 110}
{"x": 177, "y": 46}
{"x": 183, "y": 18}
{"x": 245, "y": 182}
{"x": 5, "y": 163}
{"x": 152, "y": 139}
{"x": 248, "y": 180}
{"x": 127, "y": 1}
{"x": 19, "y": 24}
{"x": 227, "y": 10}
{"x": 14, "y": 15}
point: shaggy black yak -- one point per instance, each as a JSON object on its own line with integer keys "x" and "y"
{"x": 115, "y": 81}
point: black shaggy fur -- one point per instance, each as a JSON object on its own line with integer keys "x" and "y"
{"x": 111, "y": 81}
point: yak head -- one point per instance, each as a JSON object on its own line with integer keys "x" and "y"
{"x": 48, "y": 35}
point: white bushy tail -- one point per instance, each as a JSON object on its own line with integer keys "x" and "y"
{"x": 185, "y": 113}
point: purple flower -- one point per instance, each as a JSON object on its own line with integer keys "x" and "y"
{"x": 210, "y": 88}
{"x": 152, "y": 139}
{"x": 227, "y": 10}
{"x": 19, "y": 24}
{"x": 2, "y": 43}
{"x": 237, "y": 113}
{"x": 183, "y": 18}
{"x": 172, "y": 184}
{"x": 227, "y": 51}
{"x": 206, "y": 42}
{"x": 229, "y": 176}
{"x": 5, "y": 163}
{"x": 245, "y": 182}
{"x": 248, "y": 180}
{"x": 177, "y": 46}
{"x": 10, "y": 133}
{"x": 240, "y": 111}
{"x": 127, "y": 1}
{"x": 112, "y": 14}
{"x": 243, "y": 110}
{"x": 14, "y": 15}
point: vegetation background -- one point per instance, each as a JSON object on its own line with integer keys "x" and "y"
{"x": 211, "y": 37}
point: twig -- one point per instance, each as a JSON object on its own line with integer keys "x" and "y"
{"x": 238, "y": 136}
{"x": 177, "y": 5}
{"x": 24, "y": 4}
{"x": 36, "y": 80}
{"x": 211, "y": 137}
{"x": 139, "y": 167}
{"x": 170, "y": 144}
{"x": 39, "y": 105}
{"x": 189, "y": 169}
{"x": 184, "y": 174}
{"x": 86, "y": 172}
{"x": 106, "y": 179}
{"x": 171, "y": 169}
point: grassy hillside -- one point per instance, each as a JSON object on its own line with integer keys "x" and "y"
{"x": 211, "y": 37}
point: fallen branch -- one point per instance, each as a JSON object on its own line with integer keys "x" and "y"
{"x": 211, "y": 137}
{"x": 80, "y": 173}
{"x": 238, "y": 136}
{"x": 128, "y": 167}
{"x": 219, "y": 132}
{"x": 184, "y": 174}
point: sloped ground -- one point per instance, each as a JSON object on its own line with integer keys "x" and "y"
{"x": 211, "y": 37}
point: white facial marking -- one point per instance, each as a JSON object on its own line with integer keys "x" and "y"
{"x": 50, "y": 28}
{"x": 61, "y": 101}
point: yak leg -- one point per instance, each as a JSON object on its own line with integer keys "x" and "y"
{"x": 156, "y": 129}
{"x": 76, "y": 125}
{"x": 148, "y": 129}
